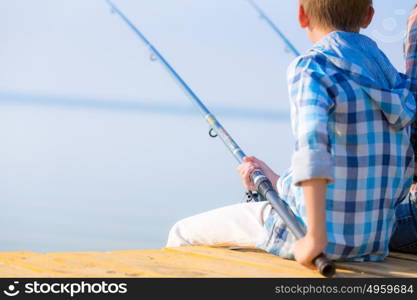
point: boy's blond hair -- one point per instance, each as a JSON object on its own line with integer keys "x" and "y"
{"x": 346, "y": 15}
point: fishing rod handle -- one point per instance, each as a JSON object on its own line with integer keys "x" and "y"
{"x": 264, "y": 187}
{"x": 325, "y": 266}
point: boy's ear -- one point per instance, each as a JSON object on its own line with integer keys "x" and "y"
{"x": 303, "y": 19}
{"x": 368, "y": 18}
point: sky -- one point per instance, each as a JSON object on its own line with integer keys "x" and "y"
{"x": 120, "y": 156}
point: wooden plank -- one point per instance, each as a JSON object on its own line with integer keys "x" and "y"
{"x": 404, "y": 256}
{"x": 22, "y": 260}
{"x": 101, "y": 262}
{"x": 341, "y": 272}
{"x": 92, "y": 264}
{"x": 77, "y": 265}
{"x": 390, "y": 267}
{"x": 11, "y": 271}
{"x": 193, "y": 262}
{"x": 143, "y": 263}
{"x": 262, "y": 260}
{"x": 223, "y": 267}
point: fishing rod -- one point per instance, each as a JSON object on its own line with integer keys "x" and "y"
{"x": 268, "y": 20}
{"x": 261, "y": 182}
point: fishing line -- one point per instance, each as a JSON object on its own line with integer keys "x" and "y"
{"x": 289, "y": 46}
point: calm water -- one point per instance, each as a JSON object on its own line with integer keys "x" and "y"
{"x": 80, "y": 180}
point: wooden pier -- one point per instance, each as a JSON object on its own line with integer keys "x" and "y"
{"x": 189, "y": 262}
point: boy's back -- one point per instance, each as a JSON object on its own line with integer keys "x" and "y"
{"x": 350, "y": 115}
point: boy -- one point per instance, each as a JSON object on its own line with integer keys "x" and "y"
{"x": 353, "y": 162}
{"x": 404, "y": 238}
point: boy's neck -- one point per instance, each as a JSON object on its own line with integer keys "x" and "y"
{"x": 316, "y": 34}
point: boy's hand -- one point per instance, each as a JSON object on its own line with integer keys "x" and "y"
{"x": 307, "y": 249}
{"x": 246, "y": 168}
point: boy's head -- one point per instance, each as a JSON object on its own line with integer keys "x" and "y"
{"x": 329, "y": 15}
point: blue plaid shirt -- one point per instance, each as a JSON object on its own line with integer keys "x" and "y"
{"x": 351, "y": 116}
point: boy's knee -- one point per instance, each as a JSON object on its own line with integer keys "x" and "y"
{"x": 177, "y": 235}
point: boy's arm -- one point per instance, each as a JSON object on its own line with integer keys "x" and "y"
{"x": 311, "y": 105}
{"x": 315, "y": 240}
{"x": 312, "y": 163}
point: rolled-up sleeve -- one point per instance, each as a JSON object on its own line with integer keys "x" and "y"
{"x": 311, "y": 105}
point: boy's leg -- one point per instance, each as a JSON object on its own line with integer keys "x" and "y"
{"x": 404, "y": 238}
{"x": 240, "y": 225}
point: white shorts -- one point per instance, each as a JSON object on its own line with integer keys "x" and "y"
{"x": 239, "y": 225}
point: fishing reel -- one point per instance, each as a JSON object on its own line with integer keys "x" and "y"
{"x": 251, "y": 196}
